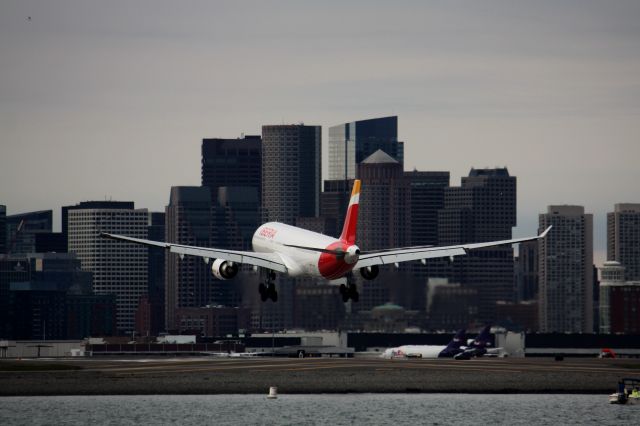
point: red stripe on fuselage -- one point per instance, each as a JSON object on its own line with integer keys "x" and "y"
{"x": 329, "y": 266}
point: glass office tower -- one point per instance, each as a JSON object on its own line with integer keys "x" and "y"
{"x": 350, "y": 143}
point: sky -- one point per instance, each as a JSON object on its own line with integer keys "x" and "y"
{"x": 110, "y": 100}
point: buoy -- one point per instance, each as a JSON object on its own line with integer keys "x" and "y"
{"x": 273, "y": 392}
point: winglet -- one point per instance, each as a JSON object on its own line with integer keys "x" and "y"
{"x": 546, "y": 231}
{"x": 351, "y": 220}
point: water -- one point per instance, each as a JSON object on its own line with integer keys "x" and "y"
{"x": 367, "y": 409}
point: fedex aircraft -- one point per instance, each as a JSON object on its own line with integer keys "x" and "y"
{"x": 295, "y": 252}
{"x": 479, "y": 346}
{"x": 427, "y": 351}
{"x": 475, "y": 348}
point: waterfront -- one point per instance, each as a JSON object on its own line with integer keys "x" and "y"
{"x": 370, "y": 409}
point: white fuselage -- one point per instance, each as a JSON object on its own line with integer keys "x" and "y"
{"x": 273, "y": 237}
{"x": 414, "y": 351}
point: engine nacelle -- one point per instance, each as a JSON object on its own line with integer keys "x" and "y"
{"x": 224, "y": 269}
{"x": 370, "y": 272}
{"x": 352, "y": 254}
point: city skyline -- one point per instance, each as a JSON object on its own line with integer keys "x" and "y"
{"x": 102, "y": 101}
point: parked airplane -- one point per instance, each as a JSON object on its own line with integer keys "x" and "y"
{"x": 455, "y": 349}
{"x": 479, "y": 346}
{"x": 427, "y": 351}
{"x": 293, "y": 251}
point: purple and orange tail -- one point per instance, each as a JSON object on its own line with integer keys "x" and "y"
{"x": 351, "y": 220}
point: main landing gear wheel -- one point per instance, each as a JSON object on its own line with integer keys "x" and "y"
{"x": 268, "y": 292}
{"x": 349, "y": 291}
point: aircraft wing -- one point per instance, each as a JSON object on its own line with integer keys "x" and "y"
{"x": 265, "y": 260}
{"x": 386, "y": 257}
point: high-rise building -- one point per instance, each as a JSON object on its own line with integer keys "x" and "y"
{"x": 351, "y": 143}
{"x": 526, "y": 270}
{"x": 291, "y": 172}
{"x": 156, "y": 270}
{"x": 335, "y": 199}
{"x": 427, "y": 198}
{"x": 235, "y": 219}
{"x": 3, "y": 229}
{"x": 384, "y": 221}
{"x": 118, "y": 268}
{"x": 482, "y": 209}
{"x": 489, "y": 196}
{"x": 90, "y": 205}
{"x": 623, "y": 238}
{"x": 56, "y": 301}
{"x": 22, "y": 229}
{"x": 232, "y": 170}
{"x": 565, "y": 265}
{"x": 619, "y": 301}
{"x": 612, "y": 274}
{"x": 12, "y": 269}
{"x": 189, "y": 222}
{"x": 232, "y": 163}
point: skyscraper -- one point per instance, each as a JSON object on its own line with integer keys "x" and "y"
{"x": 350, "y": 143}
{"x": 118, "y": 268}
{"x": 526, "y": 265}
{"x": 565, "y": 256}
{"x": 384, "y": 220}
{"x": 427, "y": 198}
{"x": 57, "y": 302}
{"x": 188, "y": 221}
{"x": 236, "y": 217}
{"x": 623, "y": 238}
{"x": 90, "y": 205}
{"x": 156, "y": 268}
{"x": 3, "y": 229}
{"x": 231, "y": 162}
{"x": 14, "y": 269}
{"x": 612, "y": 275}
{"x": 22, "y": 229}
{"x": 291, "y": 172}
{"x": 232, "y": 170}
{"x": 482, "y": 209}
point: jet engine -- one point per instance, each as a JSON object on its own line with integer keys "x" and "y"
{"x": 224, "y": 269}
{"x": 369, "y": 272}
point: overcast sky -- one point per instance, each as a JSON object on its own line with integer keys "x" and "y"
{"x": 111, "y": 99}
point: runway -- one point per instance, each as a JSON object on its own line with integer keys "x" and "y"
{"x": 314, "y": 375}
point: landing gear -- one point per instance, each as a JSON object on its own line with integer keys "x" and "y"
{"x": 349, "y": 291}
{"x": 267, "y": 290}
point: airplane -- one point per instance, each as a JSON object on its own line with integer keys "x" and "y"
{"x": 296, "y": 252}
{"x": 479, "y": 346}
{"x": 427, "y": 351}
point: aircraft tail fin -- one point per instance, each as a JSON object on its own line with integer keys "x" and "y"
{"x": 457, "y": 340}
{"x": 351, "y": 220}
{"x": 484, "y": 338}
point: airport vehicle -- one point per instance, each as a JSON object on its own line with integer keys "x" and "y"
{"x": 427, "y": 351}
{"x": 295, "y": 252}
{"x": 628, "y": 392}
